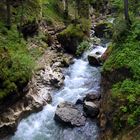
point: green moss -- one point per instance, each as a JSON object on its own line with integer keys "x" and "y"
{"x": 73, "y": 35}
{"x": 124, "y": 101}
{"x": 73, "y": 30}
{"x": 31, "y": 10}
{"x": 77, "y": 30}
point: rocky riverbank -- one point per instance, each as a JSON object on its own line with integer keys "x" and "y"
{"x": 48, "y": 74}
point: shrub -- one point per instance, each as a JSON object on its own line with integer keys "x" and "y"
{"x": 120, "y": 29}
{"x": 15, "y": 64}
{"x": 82, "y": 47}
{"x": 127, "y": 96}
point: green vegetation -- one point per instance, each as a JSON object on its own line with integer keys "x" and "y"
{"x": 127, "y": 111}
{"x": 82, "y": 47}
{"x": 53, "y": 12}
{"x": 74, "y": 34}
{"x": 22, "y": 42}
{"x": 15, "y": 63}
{"x": 79, "y": 29}
{"x": 125, "y": 55}
{"x": 126, "y": 52}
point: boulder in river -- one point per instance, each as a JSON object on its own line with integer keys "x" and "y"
{"x": 92, "y": 97}
{"x": 68, "y": 114}
{"x": 93, "y": 60}
{"x": 91, "y": 109}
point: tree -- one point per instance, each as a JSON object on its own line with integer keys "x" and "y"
{"x": 8, "y": 14}
{"x": 66, "y": 8}
{"x": 126, "y": 12}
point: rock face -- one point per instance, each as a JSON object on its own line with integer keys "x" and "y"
{"x": 93, "y": 60}
{"x": 68, "y": 114}
{"x": 91, "y": 109}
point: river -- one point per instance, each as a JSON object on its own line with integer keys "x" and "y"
{"x": 80, "y": 79}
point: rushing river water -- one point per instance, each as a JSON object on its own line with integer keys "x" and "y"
{"x": 80, "y": 79}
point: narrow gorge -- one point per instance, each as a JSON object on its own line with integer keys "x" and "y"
{"x": 69, "y": 70}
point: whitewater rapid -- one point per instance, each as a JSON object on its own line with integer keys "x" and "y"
{"x": 80, "y": 79}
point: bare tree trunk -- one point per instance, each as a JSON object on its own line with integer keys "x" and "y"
{"x": 21, "y": 18}
{"x": 126, "y": 12}
{"x": 66, "y": 8}
{"x": 8, "y": 14}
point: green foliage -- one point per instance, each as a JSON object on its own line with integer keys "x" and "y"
{"x": 73, "y": 30}
{"x": 126, "y": 53}
{"x": 15, "y": 64}
{"x": 78, "y": 30}
{"x": 82, "y": 47}
{"x": 127, "y": 96}
{"x": 53, "y": 12}
{"x": 120, "y": 29}
{"x": 117, "y": 5}
{"x": 30, "y": 10}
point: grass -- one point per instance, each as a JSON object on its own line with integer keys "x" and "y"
{"x": 52, "y": 12}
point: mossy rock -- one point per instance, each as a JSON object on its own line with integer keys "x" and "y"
{"x": 103, "y": 29}
{"x": 71, "y": 37}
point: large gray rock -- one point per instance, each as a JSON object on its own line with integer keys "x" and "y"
{"x": 91, "y": 109}
{"x": 68, "y": 114}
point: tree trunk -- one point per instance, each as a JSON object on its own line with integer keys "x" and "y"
{"x": 126, "y": 12}
{"x": 21, "y": 18}
{"x": 66, "y": 8}
{"x": 8, "y": 14}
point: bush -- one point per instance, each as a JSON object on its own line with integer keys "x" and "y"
{"x": 82, "y": 47}
{"x": 120, "y": 29}
{"x": 15, "y": 64}
{"x": 127, "y": 96}
{"x": 126, "y": 53}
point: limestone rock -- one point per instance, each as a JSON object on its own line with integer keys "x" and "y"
{"x": 68, "y": 114}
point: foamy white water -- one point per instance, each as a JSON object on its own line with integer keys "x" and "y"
{"x": 80, "y": 79}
